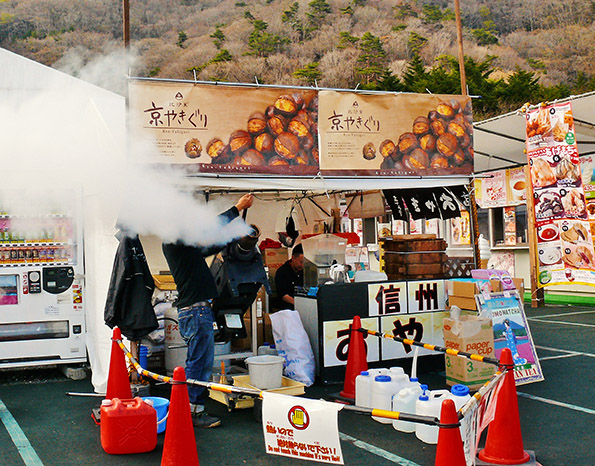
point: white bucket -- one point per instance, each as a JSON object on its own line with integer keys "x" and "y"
{"x": 265, "y": 371}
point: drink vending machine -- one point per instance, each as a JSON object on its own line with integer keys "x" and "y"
{"x": 42, "y": 315}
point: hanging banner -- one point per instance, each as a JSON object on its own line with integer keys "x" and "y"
{"x": 225, "y": 129}
{"x": 402, "y": 134}
{"x": 301, "y": 428}
{"x": 564, "y": 240}
{"x": 494, "y": 190}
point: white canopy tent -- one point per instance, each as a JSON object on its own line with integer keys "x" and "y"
{"x": 499, "y": 142}
{"x": 62, "y": 132}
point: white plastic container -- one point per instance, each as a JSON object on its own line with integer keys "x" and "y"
{"x": 404, "y": 402}
{"x": 265, "y": 371}
{"x": 428, "y": 404}
{"x": 363, "y": 390}
{"x": 460, "y": 395}
{"x": 267, "y": 348}
{"x": 383, "y": 390}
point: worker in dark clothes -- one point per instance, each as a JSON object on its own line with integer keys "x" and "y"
{"x": 196, "y": 288}
{"x": 288, "y": 276}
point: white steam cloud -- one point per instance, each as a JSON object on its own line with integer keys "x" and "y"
{"x": 61, "y": 134}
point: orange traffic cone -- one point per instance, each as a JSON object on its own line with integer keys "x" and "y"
{"x": 504, "y": 442}
{"x": 118, "y": 385}
{"x": 449, "y": 451}
{"x": 356, "y": 359}
{"x": 179, "y": 446}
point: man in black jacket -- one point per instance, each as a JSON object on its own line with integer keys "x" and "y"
{"x": 196, "y": 288}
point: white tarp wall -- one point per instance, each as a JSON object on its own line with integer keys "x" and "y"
{"x": 61, "y": 132}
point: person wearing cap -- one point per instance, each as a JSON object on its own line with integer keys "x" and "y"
{"x": 288, "y": 276}
{"x": 196, "y": 288}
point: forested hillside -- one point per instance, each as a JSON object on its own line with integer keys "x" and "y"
{"x": 516, "y": 50}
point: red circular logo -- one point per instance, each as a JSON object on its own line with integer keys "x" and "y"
{"x": 298, "y": 417}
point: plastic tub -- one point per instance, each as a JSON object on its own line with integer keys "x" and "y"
{"x": 161, "y": 405}
{"x": 265, "y": 371}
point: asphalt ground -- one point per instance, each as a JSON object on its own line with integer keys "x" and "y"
{"x": 42, "y": 425}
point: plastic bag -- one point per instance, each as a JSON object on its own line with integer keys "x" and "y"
{"x": 293, "y": 344}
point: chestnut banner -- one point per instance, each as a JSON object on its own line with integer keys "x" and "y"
{"x": 395, "y": 134}
{"x": 564, "y": 241}
{"x": 225, "y": 129}
{"x": 300, "y": 132}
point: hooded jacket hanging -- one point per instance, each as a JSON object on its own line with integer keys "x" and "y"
{"x": 128, "y": 303}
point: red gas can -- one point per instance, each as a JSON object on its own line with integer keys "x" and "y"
{"x": 128, "y": 426}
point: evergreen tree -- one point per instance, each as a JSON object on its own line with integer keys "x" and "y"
{"x": 371, "y": 59}
{"x": 310, "y": 73}
{"x": 317, "y": 12}
{"x": 182, "y": 37}
{"x": 218, "y": 38}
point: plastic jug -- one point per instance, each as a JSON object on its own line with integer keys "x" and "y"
{"x": 460, "y": 395}
{"x": 267, "y": 348}
{"x": 128, "y": 426}
{"x": 428, "y": 404}
{"x": 404, "y": 402}
{"x": 363, "y": 390}
{"x": 383, "y": 389}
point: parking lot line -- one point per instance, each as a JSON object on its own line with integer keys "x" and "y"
{"x": 19, "y": 438}
{"x": 557, "y": 403}
{"x": 561, "y": 322}
{"x": 572, "y": 353}
{"x": 377, "y": 451}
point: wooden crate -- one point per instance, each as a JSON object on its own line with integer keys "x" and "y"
{"x": 413, "y": 257}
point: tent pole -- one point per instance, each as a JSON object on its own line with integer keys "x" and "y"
{"x": 460, "y": 43}
{"x": 126, "y": 23}
{"x": 474, "y": 224}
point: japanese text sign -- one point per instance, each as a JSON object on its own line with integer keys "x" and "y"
{"x": 301, "y": 428}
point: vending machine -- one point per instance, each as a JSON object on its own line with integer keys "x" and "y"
{"x": 42, "y": 312}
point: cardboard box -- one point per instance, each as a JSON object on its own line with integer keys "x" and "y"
{"x": 519, "y": 285}
{"x": 462, "y": 294}
{"x": 274, "y": 258}
{"x": 462, "y": 302}
{"x": 473, "y": 335}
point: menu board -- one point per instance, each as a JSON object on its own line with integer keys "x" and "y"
{"x": 502, "y": 188}
{"x": 564, "y": 240}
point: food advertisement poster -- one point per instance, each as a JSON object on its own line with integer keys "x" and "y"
{"x": 403, "y": 134}
{"x": 517, "y": 186}
{"x": 494, "y": 192}
{"x": 564, "y": 240}
{"x": 512, "y": 331}
{"x": 225, "y": 129}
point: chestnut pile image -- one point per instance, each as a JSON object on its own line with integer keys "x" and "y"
{"x": 284, "y": 134}
{"x": 441, "y": 140}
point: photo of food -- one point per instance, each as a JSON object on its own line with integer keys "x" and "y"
{"x": 547, "y": 233}
{"x": 542, "y": 173}
{"x": 579, "y": 257}
{"x": 548, "y": 205}
{"x": 539, "y": 123}
{"x": 550, "y": 256}
{"x": 577, "y": 232}
{"x": 591, "y": 208}
{"x": 284, "y": 134}
{"x": 443, "y": 139}
{"x": 574, "y": 203}
{"x": 192, "y": 148}
{"x": 568, "y": 171}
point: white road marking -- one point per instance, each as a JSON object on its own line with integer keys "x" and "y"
{"x": 561, "y": 314}
{"x": 19, "y": 438}
{"x": 561, "y": 322}
{"x": 377, "y": 451}
{"x": 557, "y": 403}
{"x": 573, "y": 353}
